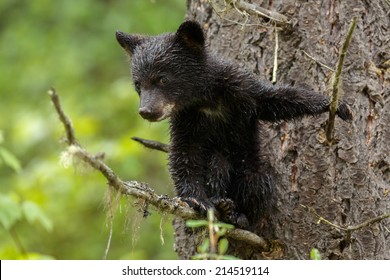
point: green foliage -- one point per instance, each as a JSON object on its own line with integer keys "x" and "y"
{"x": 33, "y": 213}
{"x": 315, "y": 254}
{"x": 9, "y": 159}
{"x": 10, "y": 212}
{"x": 216, "y": 245}
{"x": 46, "y": 210}
{"x": 223, "y": 246}
{"x": 196, "y": 223}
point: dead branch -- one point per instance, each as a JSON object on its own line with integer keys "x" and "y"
{"x": 154, "y": 145}
{"x": 368, "y": 222}
{"x": 317, "y": 61}
{"x": 246, "y": 9}
{"x": 111, "y": 219}
{"x": 63, "y": 118}
{"x": 136, "y": 189}
{"x": 275, "y": 68}
{"x": 336, "y": 83}
{"x": 254, "y": 9}
{"x": 348, "y": 229}
{"x": 218, "y": 13}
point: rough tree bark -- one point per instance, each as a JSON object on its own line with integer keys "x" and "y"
{"x": 347, "y": 182}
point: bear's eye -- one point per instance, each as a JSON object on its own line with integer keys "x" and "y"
{"x": 163, "y": 80}
{"x": 137, "y": 86}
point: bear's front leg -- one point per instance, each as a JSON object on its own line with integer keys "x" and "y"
{"x": 187, "y": 166}
{"x": 255, "y": 192}
{"x": 286, "y": 103}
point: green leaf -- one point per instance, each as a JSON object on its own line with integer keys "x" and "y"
{"x": 197, "y": 257}
{"x": 205, "y": 246}
{"x": 10, "y": 160}
{"x": 224, "y": 225}
{"x": 315, "y": 254}
{"x": 10, "y": 212}
{"x": 196, "y": 223}
{"x": 34, "y": 213}
{"x": 223, "y": 245}
{"x": 228, "y": 257}
{"x": 220, "y": 232}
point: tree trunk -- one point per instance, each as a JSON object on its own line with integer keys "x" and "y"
{"x": 347, "y": 182}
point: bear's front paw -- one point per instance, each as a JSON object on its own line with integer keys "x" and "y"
{"x": 198, "y": 205}
{"x": 227, "y": 212}
{"x": 224, "y": 206}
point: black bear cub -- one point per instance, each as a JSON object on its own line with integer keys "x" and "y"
{"x": 214, "y": 107}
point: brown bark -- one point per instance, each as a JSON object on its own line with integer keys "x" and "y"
{"x": 346, "y": 183}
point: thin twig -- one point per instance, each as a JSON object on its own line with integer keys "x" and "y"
{"x": 161, "y": 230}
{"x": 318, "y": 62}
{"x": 70, "y": 136}
{"x": 111, "y": 216}
{"x": 320, "y": 218}
{"x": 336, "y": 83}
{"x": 275, "y": 69}
{"x": 135, "y": 189}
{"x": 245, "y": 9}
{"x": 369, "y": 222}
{"x": 245, "y": 24}
{"x": 348, "y": 229}
{"x": 259, "y": 11}
{"x": 154, "y": 145}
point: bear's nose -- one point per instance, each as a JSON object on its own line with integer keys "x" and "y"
{"x": 147, "y": 113}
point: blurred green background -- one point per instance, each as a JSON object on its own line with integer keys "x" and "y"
{"x": 47, "y": 210}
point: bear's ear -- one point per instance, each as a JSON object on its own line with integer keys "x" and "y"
{"x": 191, "y": 34}
{"x": 129, "y": 42}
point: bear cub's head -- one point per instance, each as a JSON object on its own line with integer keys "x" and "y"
{"x": 167, "y": 69}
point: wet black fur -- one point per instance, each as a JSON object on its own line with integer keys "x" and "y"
{"x": 215, "y": 158}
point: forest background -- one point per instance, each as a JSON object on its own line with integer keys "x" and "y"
{"x": 48, "y": 211}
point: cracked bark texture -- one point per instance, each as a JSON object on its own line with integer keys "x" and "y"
{"x": 346, "y": 183}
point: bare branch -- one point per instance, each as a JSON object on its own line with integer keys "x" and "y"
{"x": 336, "y": 83}
{"x": 254, "y": 9}
{"x": 218, "y": 13}
{"x": 111, "y": 219}
{"x": 348, "y": 229}
{"x": 318, "y": 62}
{"x": 63, "y": 118}
{"x": 135, "y": 189}
{"x": 320, "y": 218}
{"x": 275, "y": 68}
{"x": 369, "y": 222}
{"x": 154, "y": 145}
{"x": 245, "y": 9}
